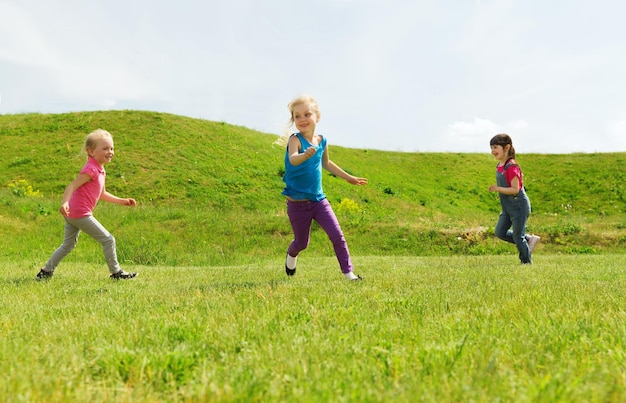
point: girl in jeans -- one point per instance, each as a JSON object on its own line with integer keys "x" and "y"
{"x": 511, "y": 226}
{"x": 79, "y": 200}
{"x": 306, "y": 155}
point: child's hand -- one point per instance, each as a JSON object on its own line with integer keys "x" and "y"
{"x": 493, "y": 188}
{"x": 357, "y": 181}
{"x": 309, "y": 152}
{"x": 65, "y": 209}
{"x": 130, "y": 202}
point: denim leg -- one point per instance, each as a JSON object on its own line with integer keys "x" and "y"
{"x": 325, "y": 217}
{"x": 70, "y": 238}
{"x": 519, "y": 216}
{"x": 503, "y": 228}
{"x": 300, "y": 216}
{"x": 90, "y": 226}
{"x": 511, "y": 226}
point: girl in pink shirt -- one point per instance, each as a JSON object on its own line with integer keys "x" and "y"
{"x": 79, "y": 200}
{"x": 511, "y": 226}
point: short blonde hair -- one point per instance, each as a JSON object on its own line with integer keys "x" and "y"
{"x": 91, "y": 141}
{"x": 302, "y": 99}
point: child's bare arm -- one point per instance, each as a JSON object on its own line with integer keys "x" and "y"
{"x": 108, "y": 197}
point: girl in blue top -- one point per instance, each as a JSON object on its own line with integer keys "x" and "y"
{"x": 511, "y": 226}
{"x": 306, "y": 155}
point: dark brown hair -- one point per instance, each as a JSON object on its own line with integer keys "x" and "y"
{"x": 503, "y": 140}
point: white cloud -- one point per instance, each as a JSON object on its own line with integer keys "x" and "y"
{"x": 467, "y": 136}
{"x": 478, "y": 127}
{"x": 517, "y": 126}
{"x": 474, "y": 135}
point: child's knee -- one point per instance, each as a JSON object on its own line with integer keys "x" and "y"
{"x": 337, "y": 239}
{"x": 109, "y": 241}
{"x": 69, "y": 246}
{"x": 300, "y": 246}
{"x": 500, "y": 233}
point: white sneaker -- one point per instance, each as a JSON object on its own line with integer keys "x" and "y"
{"x": 533, "y": 240}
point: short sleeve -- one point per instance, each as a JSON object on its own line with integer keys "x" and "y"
{"x": 513, "y": 171}
{"x": 90, "y": 170}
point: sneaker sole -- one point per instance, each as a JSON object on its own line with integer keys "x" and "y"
{"x": 127, "y": 277}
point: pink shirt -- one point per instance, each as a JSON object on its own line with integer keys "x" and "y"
{"x": 85, "y": 198}
{"x": 512, "y": 172}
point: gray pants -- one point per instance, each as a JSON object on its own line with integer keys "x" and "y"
{"x": 91, "y": 227}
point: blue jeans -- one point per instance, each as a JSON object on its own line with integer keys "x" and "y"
{"x": 301, "y": 214}
{"x": 511, "y": 226}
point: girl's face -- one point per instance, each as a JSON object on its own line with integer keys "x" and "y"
{"x": 500, "y": 153}
{"x": 305, "y": 118}
{"x": 103, "y": 151}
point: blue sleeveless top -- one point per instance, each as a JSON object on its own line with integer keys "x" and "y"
{"x": 304, "y": 181}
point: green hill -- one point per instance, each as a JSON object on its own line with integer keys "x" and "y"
{"x": 209, "y": 193}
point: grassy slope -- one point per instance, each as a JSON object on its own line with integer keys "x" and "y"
{"x": 209, "y": 193}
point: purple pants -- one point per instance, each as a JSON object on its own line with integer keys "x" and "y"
{"x": 301, "y": 213}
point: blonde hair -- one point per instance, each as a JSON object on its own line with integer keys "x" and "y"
{"x": 302, "y": 99}
{"x": 91, "y": 141}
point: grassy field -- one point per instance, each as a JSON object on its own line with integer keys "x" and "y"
{"x": 479, "y": 328}
{"x": 445, "y": 313}
{"x": 209, "y": 194}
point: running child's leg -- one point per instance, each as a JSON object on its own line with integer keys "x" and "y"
{"x": 70, "y": 238}
{"x": 300, "y": 216}
{"x": 503, "y": 228}
{"x": 90, "y": 226}
{"x": 325, "y": 217}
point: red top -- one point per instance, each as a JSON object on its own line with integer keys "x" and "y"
{"x": 511, "y": 172}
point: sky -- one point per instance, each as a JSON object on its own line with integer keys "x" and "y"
{"x": 411, "y": 75}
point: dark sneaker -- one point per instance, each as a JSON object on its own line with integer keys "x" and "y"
{"x": 122, "y": 275}
{"x": 44, "y": 275}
